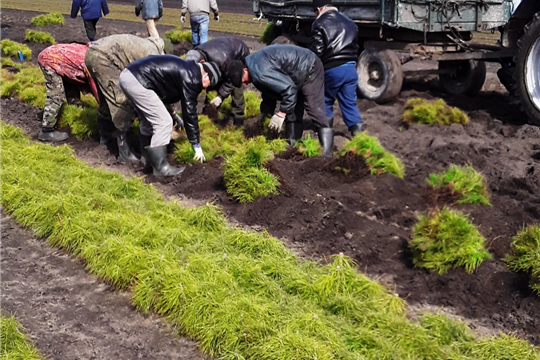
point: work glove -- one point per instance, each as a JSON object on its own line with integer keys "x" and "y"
{"x": 276, "y": 122}
{"x": 178, "y": 123}
{"x": 183, "y": 18}
{"x": 199, "y": 156}
{"x": 137, "y": 11}
{"x": 216, "y": 17}
{"x": 216, "y": 101}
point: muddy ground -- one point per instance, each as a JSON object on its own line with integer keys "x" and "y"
{"x": 370, "y": 218}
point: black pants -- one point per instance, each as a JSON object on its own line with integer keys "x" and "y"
{"x": 90, "y": 27}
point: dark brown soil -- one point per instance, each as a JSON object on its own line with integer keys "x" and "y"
{"x": 370, "y": 217}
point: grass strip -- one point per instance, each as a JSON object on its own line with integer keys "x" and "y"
{"x": 13, "y": 342}
{"x": 464, "y": 181}
{"x": 28, "y": 84}
{"x": 421, "y": 111}
{"x": 377, "y": 158}
{"x": 11, "y": 48}
{"x": 240, "y": 294}
{"x": 241, "y": 24}
{"x": 447, "y": 239}
{"x": 526, "y": 249}
{"x": 40, "y": 37}
{"x": 48, "y": 19}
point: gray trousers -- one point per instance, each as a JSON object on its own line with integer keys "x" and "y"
{"x": 154, "y": 118}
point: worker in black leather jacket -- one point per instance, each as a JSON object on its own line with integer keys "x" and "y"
{"x": 222, "y": 51}
{"x": 154, "y": 81}
{"x": 334, "y": 39}
{"x": 294, "y": 76}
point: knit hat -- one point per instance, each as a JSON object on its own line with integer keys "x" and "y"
{"x": 213, "y": 72}
{"x": 321, "y": 3}
{"x": 235, "y": 72}
{"x": 167, "y": 46}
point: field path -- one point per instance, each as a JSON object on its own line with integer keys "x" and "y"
{"x": 71, "y": 314}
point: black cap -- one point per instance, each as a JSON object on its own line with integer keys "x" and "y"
{"x": 321, "y": 3}
{"x": 235, "y": 72}
{"x": 213, "y": 72}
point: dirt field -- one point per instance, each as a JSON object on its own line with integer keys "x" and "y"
{"x": 368, "y": 218}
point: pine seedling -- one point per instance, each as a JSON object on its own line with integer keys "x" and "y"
{"x": 28, "y": 84}
{"x": 7, "y": 62}
{"x": 377, "y": 158}
{"x": 48, "y": 19}
{"x": 421, "y": 111}
{"x": 13, "y": 342}
{"x": 81, "y": 119}
{"x": 12, "y": 48}
{"x": 526, "y": 255}
{"x": 40, "y": 37}
{"x": 463, "y": 181}
{"x": 308, "y": 147}
{"x": 178, "y": 36}
{"x": 447, "y": 239}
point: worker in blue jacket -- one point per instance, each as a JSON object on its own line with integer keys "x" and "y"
{"x": 90, "y": 12}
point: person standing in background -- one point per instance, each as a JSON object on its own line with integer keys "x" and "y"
{"x": 199, "y": 11}
{"x": 90, "y": 12}
{"x": 151, "y": 10}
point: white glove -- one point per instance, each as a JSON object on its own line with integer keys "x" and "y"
{"x": 216, "y": 101}
{"x": 199, "y": 156}
{"x": 183, "y": 19}
{"x": 276, "y": 122}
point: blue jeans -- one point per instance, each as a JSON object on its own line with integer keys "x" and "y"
{"x": 199, "y": 28}
{"x": 341, "y": 82}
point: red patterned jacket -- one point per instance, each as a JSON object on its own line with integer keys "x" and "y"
{"x": 67, "y": 60}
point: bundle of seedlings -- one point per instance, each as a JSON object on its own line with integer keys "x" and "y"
{"x": 421, "y": 111}
{"x": 252, "y": 99}
{"x": 526, "y": 258}
{"x": 13, "y": 342}
{"x": 214, "y": 142}
{"x": 178, "y": 36}
{"x": 269, "y": 34}
{"x": 377, "y": 158}
{"x": 12, "y": 48}
{"x": 40, "y": 37}
{"x": 245, "y": 174}
{"x": 308, "y": 146}
{"x": 28, "y": 85}
{"x": 464, "y": 182}
{"x": 446, "y": 239}
{"x": 81, "y": 119}
{"x": 48, "y": 19}
{"x": 240, "y": 294}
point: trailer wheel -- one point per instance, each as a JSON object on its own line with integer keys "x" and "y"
{"x": 379, "y": 75}
{"x": 527, "y": 74}
{"x": 468, "y": 76}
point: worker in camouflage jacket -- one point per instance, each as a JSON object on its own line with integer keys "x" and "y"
{"x": 105, "y": 60}
{"x": 294, "y": 76}
{"x": 334, "y": 39}
{"x": 223, "y": 51}
{"x": 66, "y": 76}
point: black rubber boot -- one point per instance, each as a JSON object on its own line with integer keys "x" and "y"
{"x": 356, "y": 129}
{"x": 144, "y": 141}
{"x": 125, "y": 149}
{"x": 106, "y": 131}
{"x": 49, "y": 134}
{"x": 157, "y": 156}
{"x": 293, "y": 132}
{"x": 331, "y": 122}
{"x": 238, "y": 121}
{"x": 326, "y": 138}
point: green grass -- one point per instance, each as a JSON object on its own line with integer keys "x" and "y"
{"x": 239, "y": 294}
{"x": 269, "y": 34}
{"x": 246, "y": 177}
{"x": 526, "y": 249}
{"x": 308, "y": 147}
{"x": 28, "y": 85}
{"x": 40, "y": 37}
{"x": 437, "y": 112}
{"x": 377, "y": 158}
{"x": 48, "y": 19}
{"x": 447, "y": 239}
{"x": 11, "y": 48}
{"x": 252, "y": 99}
{"x": 13, "y": 342}
{"x": 81, "y": 119}
{"x": 7, "y": 62}
{"x": 464, "y": 181}
{"x": 178, "y": 35}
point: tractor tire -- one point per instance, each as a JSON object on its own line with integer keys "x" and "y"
{"x": 527, "y": 73}
{"x": 468, "y": 77}
{"x": 379, "y": 75}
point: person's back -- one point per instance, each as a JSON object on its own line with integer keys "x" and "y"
{"x": 123, "y": 49}
{"x": 199, "y": 11}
